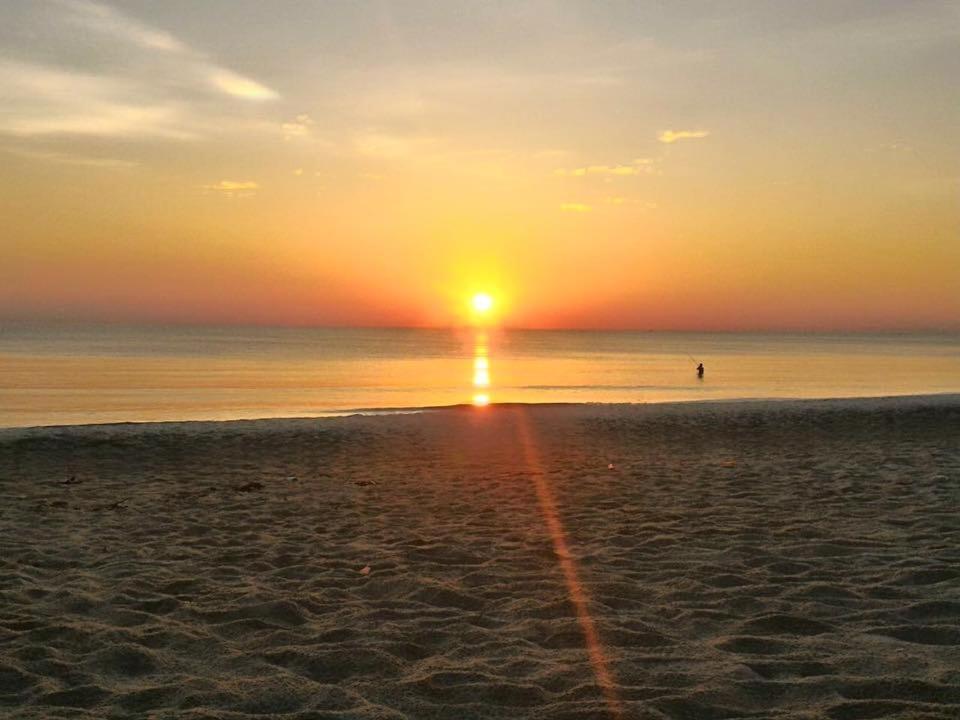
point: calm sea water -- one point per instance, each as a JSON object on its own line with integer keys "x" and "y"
{"x": 52, "y": 375}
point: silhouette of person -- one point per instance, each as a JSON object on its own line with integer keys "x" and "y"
{"x": 700, "y": 370}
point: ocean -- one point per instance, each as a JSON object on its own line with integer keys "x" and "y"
{"x": 58, "y": 374}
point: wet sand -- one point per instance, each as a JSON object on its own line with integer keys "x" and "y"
{"x": 714, "y": 560}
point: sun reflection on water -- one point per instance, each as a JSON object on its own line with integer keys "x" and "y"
{"x": 481, "y": 371}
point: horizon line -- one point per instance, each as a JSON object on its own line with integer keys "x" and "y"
{"x": 172, "y": 323}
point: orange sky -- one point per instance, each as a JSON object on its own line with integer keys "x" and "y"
{"x": 640, "y": 167}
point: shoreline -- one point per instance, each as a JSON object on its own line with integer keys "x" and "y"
{"x": 944, "y": 399}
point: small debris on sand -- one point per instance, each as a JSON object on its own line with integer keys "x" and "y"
{"x": 365, "y": 570}
{"x": 118, "y": 505}
{"x": 249, "y": 487}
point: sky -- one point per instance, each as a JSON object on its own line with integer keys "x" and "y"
{"x": 650, "y": 165}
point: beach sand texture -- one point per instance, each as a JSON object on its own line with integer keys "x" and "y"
{"x": 722, "y": 560}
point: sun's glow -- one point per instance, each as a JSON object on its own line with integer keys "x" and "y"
{"x": 481, "y": 399}
{"x": 482, "y": 303}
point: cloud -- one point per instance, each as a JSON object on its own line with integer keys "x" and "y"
{"x": 233, "y": 188}
{"x": 231, "y": 185}
{"x": 552, "y": 153}
{"x": 897, "y": 146}
{"x": 239, "y": 86}
{"x": 598, "y": 170}
{"x": 390, "y": 147}
{"x": 70, "y": 158}
{"x": 671, "y": 136}
{"x": 416, "y": 89}
{"x": 109, "y": 21}
{"x": 639, "y": 166}
{"x": 150, "y": 84}
{"x": 618, "y": 201}
{"x": 48, "y": 101}
{"x": 298, "y": 128}
{"x": 575, "y": 207}
{"x": 103, "y": 18}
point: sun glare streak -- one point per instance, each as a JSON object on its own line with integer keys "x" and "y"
{"x": 575, "y": 589}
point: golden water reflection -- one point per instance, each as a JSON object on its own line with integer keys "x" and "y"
{"x": 481, "y": 371}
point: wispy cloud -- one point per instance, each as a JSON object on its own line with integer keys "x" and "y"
{"x": 48, "y": 101}
{"x": 297, "y": 128}
{"x": 598, "y": 170}
{"x": 110, "y": 21}
{"x": 897, "y": 147}
{"x": 575, "y": 207}
{"x": 413, "y": 90}
{"x": 105, "y": 19}
{"x": 671, "y": 136}
{"x": 239, "y": 86}
{"x": 233, "y": 188}
{"x": 618, "y": 201}
{"x": 152, "y": 87}
{"x": 390, "y": 146}
{"x": 637, "y": 167}
{"x": 61, "y": 158}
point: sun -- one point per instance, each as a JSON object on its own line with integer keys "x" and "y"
{"x": 482, "y": 303}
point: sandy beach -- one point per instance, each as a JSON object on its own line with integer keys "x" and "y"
{"x": 704, "y": 560}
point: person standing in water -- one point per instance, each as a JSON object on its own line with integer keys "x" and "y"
{"x": 700, "y": 370}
